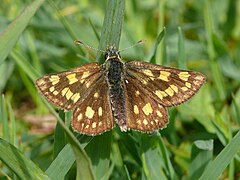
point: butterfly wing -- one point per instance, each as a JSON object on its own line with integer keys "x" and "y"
{"x": 168, "y": 86}
{"x": 94, "y": 115}
{"x": 144, "y": 113}
{"x": 69, "y": 88}
{"x": 83, "y": 89}
{"x": 149, "y": 88}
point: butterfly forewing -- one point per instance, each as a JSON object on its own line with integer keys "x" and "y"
{"x": 94, "y": 115}
{"x": 168, "y": 86}
{"x": 67, "y": 89}
{"x": 143, "y": 112}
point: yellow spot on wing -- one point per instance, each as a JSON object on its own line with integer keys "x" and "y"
{"x": 164, "y": 75}
{"x": 69, "y": 94}
{"x": 184, "y": 88}
{"x": 184, "y": 76}
{"x": 187, "y": 84}
{"x": 159, "y": 113}
{"x": 175, "y": 88}
{"x": 94, "y": 125}
{"x": 148, "y": 72}
{"x": 96, "y": 95}
{"x": 145, "y": 122}
{"x": 89, "y": 112}
{"x": 135, "y": 109}
{"x": 88, "y": 84}
{"x": 40, "y": 82}
{"x": 199, "y": 77}
{"x": 85, "y": 74}
{"x": 139, "y": 122}
{"x": 100, "y": 111}
{"x": 75, "y": 97}
{"x": 72, "y": 78}
{"x": 161, "y": 94}
{"x": 169, "y": 91}
{"x": 51, "y": 89}
{"x": 55, "y": 93}
{"x": 147, "y": 109}
{"x": 79, "y": 118}
{"x": 137, "y": 93}
{"x": 54, "y": 79}
{"x": 64, "y": 91}
{"x": 144, "y": 81}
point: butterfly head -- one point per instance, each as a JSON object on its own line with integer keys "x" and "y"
{"x": 112, "y": 53}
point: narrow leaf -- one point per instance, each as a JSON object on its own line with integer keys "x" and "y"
{"x": 158, "y": 40}
{"x": 218, "y": 165}
{"x": 61, "y": 164}
{"x": 23, "y": 167}
{"x": 10, "y": 35}
{"x": 112, "y": 26}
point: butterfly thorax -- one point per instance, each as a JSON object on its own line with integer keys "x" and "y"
{"x": 114, "y": 73}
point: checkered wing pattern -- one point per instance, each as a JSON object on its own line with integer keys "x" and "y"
{"x": 150, "y": 88}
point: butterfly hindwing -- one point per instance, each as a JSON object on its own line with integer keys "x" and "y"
{"x": 93, "y": 116}
{"x": 144, "y": 113}
{"x": 68, "y": 88}
{"x": 169, "y": 86}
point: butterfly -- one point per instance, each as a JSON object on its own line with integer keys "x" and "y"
{"x": 134, "y": 95}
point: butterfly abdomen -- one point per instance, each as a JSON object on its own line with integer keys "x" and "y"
{"x": 114, "y": 74}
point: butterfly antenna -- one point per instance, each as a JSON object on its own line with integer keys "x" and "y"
{"x": 90, "y": 47}
{"x": 137, "y": 43}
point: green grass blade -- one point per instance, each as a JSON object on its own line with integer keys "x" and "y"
{"x": 152, "y": 158}
{"x": 218, "y": 165}
{"x": 157, "y": 43}
{"x": 4, "y": 119}
{"x": 13, "y": 138}
{"x": 25, "y": 65}
{"x": 170, "y": 171}
{"x": 10, "y": 35}
{"x": 108, "y": 174}
{"x": 23, "y": 167}
{"x": 99, "y": 151}
{"x": 59, "y": 136}
{"x": 126, "y": 170}
{"x": 237, "y": 109}
{"x": 217, "y": 75}
{"x": 181, "y": 50}
{"x": 66, "y": 24}
{"x": 94, "y": 30}
{"x": 160, "y": 56}
{"x": 61, "y": 164}
{"x": 201, "y": 155}
{"x": 112, "y": 26}
{"x": 6, "y": 71}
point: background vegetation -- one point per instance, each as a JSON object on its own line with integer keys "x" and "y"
{"x": 203, "y": 137}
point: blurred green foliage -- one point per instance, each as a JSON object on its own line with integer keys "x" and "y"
{"x": 202, "y": 138}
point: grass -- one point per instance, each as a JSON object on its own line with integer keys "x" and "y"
{"x": 202, "y": 139}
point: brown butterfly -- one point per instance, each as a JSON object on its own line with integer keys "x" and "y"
{"x": 134, "y": 94}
